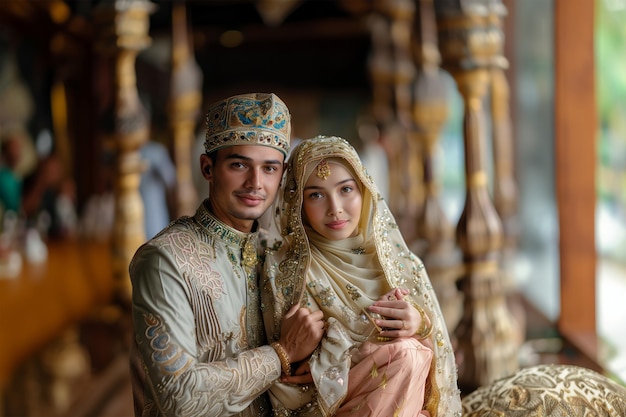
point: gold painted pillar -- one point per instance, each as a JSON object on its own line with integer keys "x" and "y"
{"x": 123, "y": 29}
{"x": 380, "y": 66}
{"x": 402, "y": 15}
{"x": 505, "y": 190}
{"x": 504, "y": 187}
{"x": 395, "y": 69}
{"x": 184, "y": 109}
{"x": 435, "y": 241}
{"x": 471, "y": 41}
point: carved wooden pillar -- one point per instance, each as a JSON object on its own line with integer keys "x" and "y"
{"x": 64, "y": 363}
{"x": 123, "y": 33}
{"x": 381, "y": 69}
{"x": 185, "y": 102}
{"x": 402, "y": 14}
{"x": 380, "y": 65}
{"x": 435, "y": 242}
{"x": 471, "y": 42}
{"x": 505, "y": 189}
{"x": 504, "y": 186}
{"x": 403, "y": 148}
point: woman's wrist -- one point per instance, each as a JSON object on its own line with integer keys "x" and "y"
{"x": 426, "y": 327}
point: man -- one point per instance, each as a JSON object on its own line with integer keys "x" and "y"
{"x": 157, "y": 186}
{"x": 198, "y": 333}
{"x": 10, "y": 181}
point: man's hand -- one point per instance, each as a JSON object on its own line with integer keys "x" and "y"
{"x": 302, "y": 375}
{"x": 300, "y": 332}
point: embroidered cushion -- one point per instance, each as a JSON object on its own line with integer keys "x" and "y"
{"x": 548, "y": 390}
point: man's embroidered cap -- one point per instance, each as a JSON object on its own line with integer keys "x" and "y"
{"x": 248, "y": 119}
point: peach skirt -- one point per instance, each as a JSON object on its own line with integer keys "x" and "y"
{"x": 388, "y": 380}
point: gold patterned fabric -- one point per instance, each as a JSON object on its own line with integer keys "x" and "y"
{"x": 248, "y": 119}
{"x": 199, "y": 343}
{"x": 548, "y": 391}
{"x": 344, "y": 277}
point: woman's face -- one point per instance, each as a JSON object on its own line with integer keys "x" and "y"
{"x": 332, "y": 203}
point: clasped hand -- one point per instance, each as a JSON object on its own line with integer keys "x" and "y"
{"x": 399, "y": 317}
{"x": 300, "y": 332}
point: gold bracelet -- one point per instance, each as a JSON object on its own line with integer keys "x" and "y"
{"x": 284, "y": 359}
{"x": 426, "y": 328}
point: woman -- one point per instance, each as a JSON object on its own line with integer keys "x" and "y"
{"x": 336, "y": 247}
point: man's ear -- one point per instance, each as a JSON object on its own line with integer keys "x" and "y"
{"x": 206, "y": 165}
{"x": 282, "y": 176}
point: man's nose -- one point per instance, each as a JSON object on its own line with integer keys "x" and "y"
{"x": 254, "y": 179}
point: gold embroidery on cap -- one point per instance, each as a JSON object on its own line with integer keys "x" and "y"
{"x": 323, "y": 170}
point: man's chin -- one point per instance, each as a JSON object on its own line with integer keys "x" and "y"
{"x": 251, "y": 213}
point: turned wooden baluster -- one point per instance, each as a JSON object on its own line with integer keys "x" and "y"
{"x": 470, "y": 40}
{"x": 399, "y": 132}
{"x": 185, "y": 102}
{"x": 380, "y": 66}
{"x": 402, "y": 13}
{"x": 381, "y": 70}
{"x": 64, "y": 363}
{"x": 123, "y": 33}
{"x": 504, "y": 186}
{"x": 435, "y": 242}
{"x": 505, "y": 190}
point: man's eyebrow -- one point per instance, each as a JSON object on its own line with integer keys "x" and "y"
{"x": 247, "y": 158}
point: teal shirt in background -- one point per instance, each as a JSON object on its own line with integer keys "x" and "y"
{"x": 10, "y": 190}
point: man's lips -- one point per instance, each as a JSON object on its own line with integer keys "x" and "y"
{"x": 337, "y": 224}
{"x": 251, "y": 200}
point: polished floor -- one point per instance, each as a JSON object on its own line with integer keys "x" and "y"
{"x": 120, "y": 403}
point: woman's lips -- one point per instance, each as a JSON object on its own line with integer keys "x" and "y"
{"x": 337, "y": 224}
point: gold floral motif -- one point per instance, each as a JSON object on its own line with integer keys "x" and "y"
{"x": 353, "y": 292}
{"x": 374, "y": 371}
{"x": 327, "y": 297}
{"x": 323, "y": 170}
{"x": 383, "y": 383}
{"x": 249, "y": 256}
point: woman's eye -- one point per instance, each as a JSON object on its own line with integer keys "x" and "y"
{"x": 315, "y": 196}
{"x": 346, "y": 189}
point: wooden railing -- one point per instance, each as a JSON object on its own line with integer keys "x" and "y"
{"x": 42, "y": 307}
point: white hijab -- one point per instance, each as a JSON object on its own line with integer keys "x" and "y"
{"x": 382, "y": 261}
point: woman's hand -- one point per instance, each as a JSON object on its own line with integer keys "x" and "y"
{"x": 400, "y": 318}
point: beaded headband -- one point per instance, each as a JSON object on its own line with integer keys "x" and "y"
{"x": 248, "y": 119}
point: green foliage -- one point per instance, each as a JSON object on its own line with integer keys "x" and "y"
{"x": 610, "y": 53}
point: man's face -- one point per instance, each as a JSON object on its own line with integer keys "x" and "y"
{"x": 244, "y": 180}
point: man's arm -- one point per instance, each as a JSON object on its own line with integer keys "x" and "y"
{"x": 165, "y": 333}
